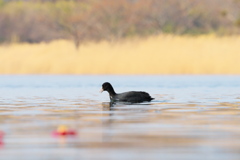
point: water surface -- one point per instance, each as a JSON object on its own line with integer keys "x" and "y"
{"x": 192, "y": 117}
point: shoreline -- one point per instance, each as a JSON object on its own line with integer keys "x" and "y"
{"x": 167, "y": 55}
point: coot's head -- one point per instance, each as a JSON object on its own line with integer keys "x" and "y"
{"x": 107, "y": 87}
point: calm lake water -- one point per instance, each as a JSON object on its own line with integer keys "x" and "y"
{"x": 191, "y": 118}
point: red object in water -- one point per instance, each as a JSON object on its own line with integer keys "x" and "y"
{"x": 1, "y": 137}
{"x": 64, "y": 131}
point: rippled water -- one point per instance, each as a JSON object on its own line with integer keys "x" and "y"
{"x": 192, "y": 117}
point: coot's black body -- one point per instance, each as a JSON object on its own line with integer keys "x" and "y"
{"x": 130, "y": 97}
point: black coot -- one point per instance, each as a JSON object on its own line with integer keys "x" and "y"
{"x": 130, "y": 97}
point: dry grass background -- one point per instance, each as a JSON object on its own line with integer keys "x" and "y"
{"x": 166, "y": 54}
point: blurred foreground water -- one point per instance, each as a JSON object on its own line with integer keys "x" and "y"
{"x": 192, "y": 117}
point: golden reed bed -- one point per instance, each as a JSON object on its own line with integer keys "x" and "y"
{"x": 155, "y": 55}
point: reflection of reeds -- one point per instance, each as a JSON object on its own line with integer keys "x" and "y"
{"x": 155, "y": 55}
